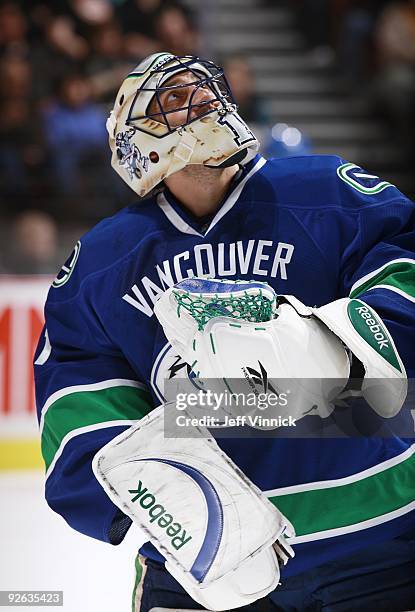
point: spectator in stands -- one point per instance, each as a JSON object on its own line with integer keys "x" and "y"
{"x": 63, "y": 37}
{"x": 15, "y": 77}
{"x": 138, "y": 18}
{"x": 13, "y": 29}
{"x": 74, "y": 128}
{"x": 34, "y": 245}
{"x": 355, "y": 23}
{"x": 107, "y": 64}
{"x": 21, "y": 152}
{"x": 14, "y": 119}
{"x": 395, "y": 83}
{"x": 60, "y": 46}
{"x": 20, "y": 139}
{"x": 176, "y": 31}
{"x": 66, "y": 27}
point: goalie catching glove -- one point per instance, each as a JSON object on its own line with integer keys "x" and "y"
{"x": 222, "y": 538}
{"x": 240, "y": 335}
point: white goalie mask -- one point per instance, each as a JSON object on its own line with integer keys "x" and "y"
{"x": 162, "y": 122}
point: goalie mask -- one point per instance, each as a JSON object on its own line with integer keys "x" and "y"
{"x": 171, "y": 112}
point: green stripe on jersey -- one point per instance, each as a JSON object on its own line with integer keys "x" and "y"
{"x": 84, "y": 408}
{"x": 323, "y": 509}
{"x": 399, "y": 274}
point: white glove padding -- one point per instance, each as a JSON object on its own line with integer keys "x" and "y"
{"x": 293, "y": 354}
{"x": 214, "y": 527}
{"x": 362, "y": 330}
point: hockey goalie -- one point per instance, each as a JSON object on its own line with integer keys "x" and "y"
{"x": 223, "y": 540}
{"x": 235, "y": 275}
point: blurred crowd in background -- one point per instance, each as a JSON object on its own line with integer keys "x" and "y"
{"x": 372, "y": 43}
{"x": 62, "y": 62}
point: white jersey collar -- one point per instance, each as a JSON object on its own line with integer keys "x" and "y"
{"x": 184, "y": 227}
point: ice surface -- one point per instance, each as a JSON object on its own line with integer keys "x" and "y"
{"x": 40, "y": 551}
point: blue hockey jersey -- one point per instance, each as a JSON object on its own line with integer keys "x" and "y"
{"x": 315, "y": 227}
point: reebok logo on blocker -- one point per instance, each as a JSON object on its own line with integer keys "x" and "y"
{"x": 156, "y": 511}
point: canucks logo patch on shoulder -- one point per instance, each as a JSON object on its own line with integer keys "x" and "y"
{"x": 360, "y": 180}
{"x": 65, "y": 272}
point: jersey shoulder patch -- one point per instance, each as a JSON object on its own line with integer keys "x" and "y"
{"x": 68, "y": 267}
{"x": 362, "y": 181}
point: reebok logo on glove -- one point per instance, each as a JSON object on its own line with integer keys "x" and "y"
{"x": 374, "y": 327}
{"x": 368, "y": 326}
{"x": 158, "y": 513}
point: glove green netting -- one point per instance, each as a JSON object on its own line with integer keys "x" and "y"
{"x": 247, "y": 307}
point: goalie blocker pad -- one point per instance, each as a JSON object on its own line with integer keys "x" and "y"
{"x": 215, "y": 528}
{"x": 362, "y": 330}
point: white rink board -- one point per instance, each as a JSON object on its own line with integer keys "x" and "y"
{"x": 39, "y": 551}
